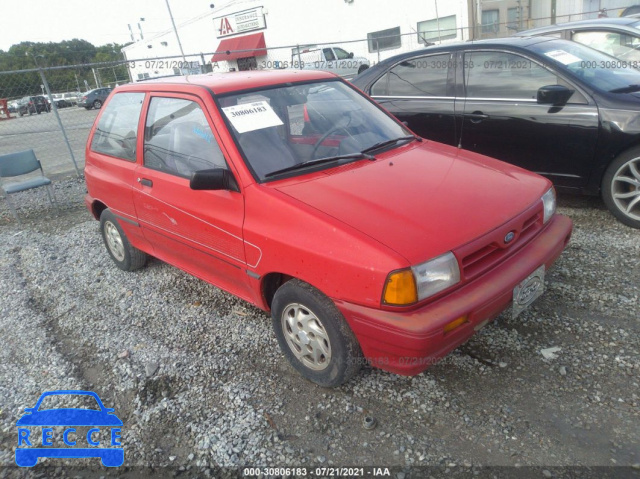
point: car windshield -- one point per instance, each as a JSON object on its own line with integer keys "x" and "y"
{"x": 324, "y": 123}
{"x": 596, "y": 69}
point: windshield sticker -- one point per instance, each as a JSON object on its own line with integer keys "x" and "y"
{"x": 563, "y": 57}
{"x": 252, "y": 116}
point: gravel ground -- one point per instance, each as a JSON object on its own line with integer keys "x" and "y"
{"x": 199, "y": 383}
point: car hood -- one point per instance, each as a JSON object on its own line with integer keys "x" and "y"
{"x": 69, "y": 417}
{"x": 423, "y": 200}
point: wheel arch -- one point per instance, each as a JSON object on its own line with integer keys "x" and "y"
{"x": 97, "y": 207}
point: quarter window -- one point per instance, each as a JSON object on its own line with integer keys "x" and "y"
{"x": 117, "y": 131}
{"x": 424, "y": 76}
{"x": 178, "y": 139}
{"x": 504, "y": 75}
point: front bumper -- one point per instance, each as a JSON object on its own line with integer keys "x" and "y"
{"x": 408, "y": 342}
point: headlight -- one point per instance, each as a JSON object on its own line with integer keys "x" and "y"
{"x": 422, "y": 281}
{"x": 549, "y": 204}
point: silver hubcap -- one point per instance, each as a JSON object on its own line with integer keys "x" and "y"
{"x": 114, "y": 241}
{"x": 306, "y": 337}
{"x": 625, "y": 188}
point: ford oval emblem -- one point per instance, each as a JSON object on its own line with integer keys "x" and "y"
{"x": 509, "y": 237}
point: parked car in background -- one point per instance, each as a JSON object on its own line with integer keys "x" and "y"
{"x": 634, "y": 10}
{"x": 12, "y": 106}
{"x": 72, "y": 97}
{"x": 360, "y": 238}
{"x": 94, "y": 98}
{"x": 328, "y": 58}
{"x": 32, "y": 104}
{"x": 618, "y": 37}
{"x": 59, "y": 100}
{"x": 552, "y": 106}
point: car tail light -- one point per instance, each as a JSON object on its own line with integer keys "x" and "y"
{"x": 84, "y": 97}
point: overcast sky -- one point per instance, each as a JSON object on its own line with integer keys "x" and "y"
{"x": 97, "y": 22}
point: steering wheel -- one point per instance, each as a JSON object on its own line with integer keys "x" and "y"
{"x": 331, "y": 130}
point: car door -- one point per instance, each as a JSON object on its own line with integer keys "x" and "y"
{"x": 501, "y": 118}
{"x": 420, "y": 92}
{"x": 198, "y": 231}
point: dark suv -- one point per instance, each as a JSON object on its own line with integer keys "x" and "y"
{"x": 94, "y": 98}
{"x": 32, "y": 104}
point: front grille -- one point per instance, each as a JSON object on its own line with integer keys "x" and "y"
{"x": 486, "y": 252}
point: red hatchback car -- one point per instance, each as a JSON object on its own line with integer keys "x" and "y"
{"x": 297, "y": 193}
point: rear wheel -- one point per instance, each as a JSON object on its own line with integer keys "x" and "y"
{"x": 124, "y": 255}
{"x": 314, "y": 335}
{"x": 621, "y": 188}
{"x": 362, "y": 68}
{"x": 97, "y": 104}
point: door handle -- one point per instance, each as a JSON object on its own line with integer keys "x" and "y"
{"x": 476, "y": 116}
{"x": 145, "y": 182}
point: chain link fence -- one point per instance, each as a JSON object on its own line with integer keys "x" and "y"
{"x": 41, "y": 108}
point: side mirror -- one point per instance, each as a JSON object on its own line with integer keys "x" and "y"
{"x": 556, "y": 95}
{"x": 214, "y": 179}
{"x": 351, "y": 55}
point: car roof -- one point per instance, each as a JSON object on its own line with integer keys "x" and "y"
{"x": 234, "y": 81}
{"x": 521, "y": 42}
{"x": 597, "y": 22}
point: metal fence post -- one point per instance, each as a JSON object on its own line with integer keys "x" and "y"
{"x": 55, "y": 111}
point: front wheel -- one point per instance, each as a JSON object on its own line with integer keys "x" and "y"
{"x": 621, "y": 188}
{"x": 314, "y": 335}
{"x": 124, "y": 255}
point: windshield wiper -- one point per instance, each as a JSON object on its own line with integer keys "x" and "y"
{"x": 319, "y": 161}
{"x": 382, "y": 144}
{"x": 626, "y": 89}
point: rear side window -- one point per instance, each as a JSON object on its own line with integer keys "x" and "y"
{"x": 178, "y": 139}
{"x": 425, "y": 76}
{"x": 117, "y": 131}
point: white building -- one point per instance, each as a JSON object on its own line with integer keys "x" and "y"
{"x": 251, "y": 34}
{"x": 267, "y": 31}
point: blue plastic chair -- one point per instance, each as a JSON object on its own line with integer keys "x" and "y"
{"x": 18, "y": 164}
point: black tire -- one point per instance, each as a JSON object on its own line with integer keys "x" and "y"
{"x": 97, "y": 104}
{"x": 125, "y": 256}
{"x": 345, "y": 356}
{"x": 87, "y": 107}
{"x": 362, "y": 68}
{"x": 621, "y": 188}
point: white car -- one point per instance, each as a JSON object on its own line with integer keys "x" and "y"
{"x": 328, "y": 58}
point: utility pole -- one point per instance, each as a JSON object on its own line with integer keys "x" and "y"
{"x": 177, "y": 36}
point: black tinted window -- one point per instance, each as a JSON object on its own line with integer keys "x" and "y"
{"x": 504, "y": 75}
{"x": 116, "y": 133}
{"x": 425, "y": 76}
{"x": 178, "y": 138}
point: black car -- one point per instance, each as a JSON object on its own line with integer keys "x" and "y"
{"x": 94, "y": 98}
{"x": 551, "y": 106}
{"x": 32, "y": 104}
{"x": 618, "y": 37}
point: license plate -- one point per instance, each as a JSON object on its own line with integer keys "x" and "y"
{"x": 527, "y": 291}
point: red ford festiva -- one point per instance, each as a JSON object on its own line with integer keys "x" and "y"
{"x": 295, "y": 192}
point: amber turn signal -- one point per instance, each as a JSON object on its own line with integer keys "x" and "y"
{"x": 400, "y": 289}
{"x": 456, "y": 323}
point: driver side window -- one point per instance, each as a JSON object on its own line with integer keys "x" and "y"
{"x": 178, "y": 139}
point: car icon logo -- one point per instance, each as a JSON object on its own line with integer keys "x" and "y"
{"x": 509, "y": 237}
{"x": 101, "y": 424}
